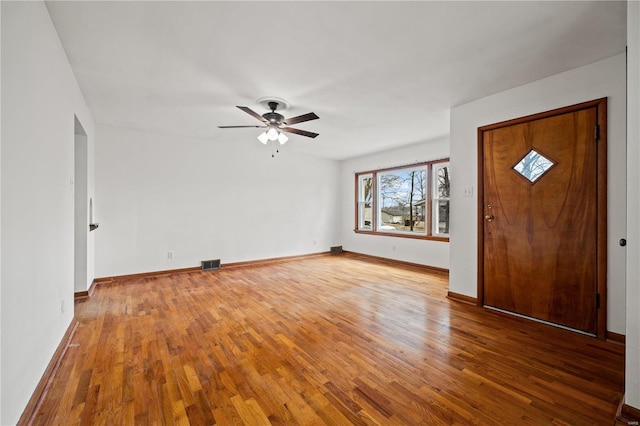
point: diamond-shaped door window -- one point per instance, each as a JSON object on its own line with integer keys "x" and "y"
{"x": 533, "y": 165}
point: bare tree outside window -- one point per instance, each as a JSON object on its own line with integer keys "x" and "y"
{"x": 410, "y": 201}
{"x": 400, "y": 191}
{"x": 441, "y": 201}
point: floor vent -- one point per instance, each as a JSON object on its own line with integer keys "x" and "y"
{"x": 210, "y": 264}
{"x": 336, "y": 249}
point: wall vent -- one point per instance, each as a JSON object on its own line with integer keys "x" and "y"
{"x": 336, "y": 249}
{"x": 210, "y": 264}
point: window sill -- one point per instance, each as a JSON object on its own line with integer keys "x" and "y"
{"x": 402, "y": 235}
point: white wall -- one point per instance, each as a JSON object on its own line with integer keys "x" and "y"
{"x": 632, "y": 373}
{"x": 39, "y": 99}
{"x": 605, "y": 78}
{"x": 0, "y": 218}
{"x": 424, "y": 252}
{"x": 81, "y": 206}
{"x": 206, "y": 199}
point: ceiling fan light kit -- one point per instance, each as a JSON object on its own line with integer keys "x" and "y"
{"x": 275, "y": 124}
{"x": 282, "y": 138}
{"x": 262, "y": 137}
{"x": 273, "y": 134}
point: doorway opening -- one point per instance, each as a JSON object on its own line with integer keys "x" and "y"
{"x": 81, "y": 208}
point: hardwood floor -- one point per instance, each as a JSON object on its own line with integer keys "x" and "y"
{"x": 325, "y": 340}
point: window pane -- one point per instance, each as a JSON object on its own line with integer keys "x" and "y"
{"x": 364, "y": 214}
{"x": 441, "y": 192}
{"x": 401, "y": 200}
{"x": 442, "y": 182}
{"x": 366, "y": 189}
{"x": 533, "y": 165}
{"x": 442, "y": 217}
{"x": 365, "y": 198}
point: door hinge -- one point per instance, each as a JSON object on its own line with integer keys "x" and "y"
{"x": 597, "y": 300}
{"x": 597, "y": 132}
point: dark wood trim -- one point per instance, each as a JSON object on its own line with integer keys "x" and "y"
{"x": 480, "y": 219}
{"x": 616, "y": 338}
{"x": 44, "y": 384}
{"x": 428, "y": 214}
{"x": 362, "y": 256}
{"x": 631, "y": 413}
{"x": 357, "y": 198}
{"x": 403, "y": 235}
{"x": 546, "y": 114}
{"x": 619, "y": 410}
{"x": 249, "y": 263}
{"x": 601, "y": 284}
{"x": 116, "y": 278}
{"x": 626, "y": 414}
{"x": 462, "y": 298}
{"x": 374, "y": 202}
{"x": 601, "y": 326}
{"x": 81, "y": 295}
{"x": 418, "y": 164}
{"x": 394, "y": 262}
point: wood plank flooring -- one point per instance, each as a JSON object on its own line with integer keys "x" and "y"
{"x": 327, "y": 340}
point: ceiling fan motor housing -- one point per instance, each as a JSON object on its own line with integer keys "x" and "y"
{"x": 273, "y": 117}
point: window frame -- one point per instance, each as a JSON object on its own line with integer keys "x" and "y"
{"x": 435, "y": 198}
{"x": 429, "y": 200}
{"x": 361, "y": 202}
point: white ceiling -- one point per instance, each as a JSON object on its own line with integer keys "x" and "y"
{"x": 379, "y": 74}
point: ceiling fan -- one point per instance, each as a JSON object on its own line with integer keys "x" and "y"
{"x": 275, "y": 124}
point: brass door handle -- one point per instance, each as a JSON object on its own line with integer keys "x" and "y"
{"x": 488, "y": 217}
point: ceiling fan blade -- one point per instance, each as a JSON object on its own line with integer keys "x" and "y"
{"x": 238, "y": 127}
{"x": 252, "y": 113}
{"x": 299, "y": 119}
{"x": 299, "y": 132}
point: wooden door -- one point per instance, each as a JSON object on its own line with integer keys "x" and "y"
{"x": 543, "y": 216}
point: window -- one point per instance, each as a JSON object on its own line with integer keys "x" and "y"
{"x": 401, "y": 200}
{"x": 365, "y": 196}
{"x": 440, "y": 200}
{"x": 411, "y": 201}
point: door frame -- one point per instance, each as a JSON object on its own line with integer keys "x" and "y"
{"x": 601, "y": 202}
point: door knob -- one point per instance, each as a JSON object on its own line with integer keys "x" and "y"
{"x": 488, "y": 217}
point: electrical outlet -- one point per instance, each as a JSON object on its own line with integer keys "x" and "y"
{"x": 468, "y": 191}
{"x": 62, "y": 306}
{"x": 393, "y": 248}
{"x": 169, "y": 255}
